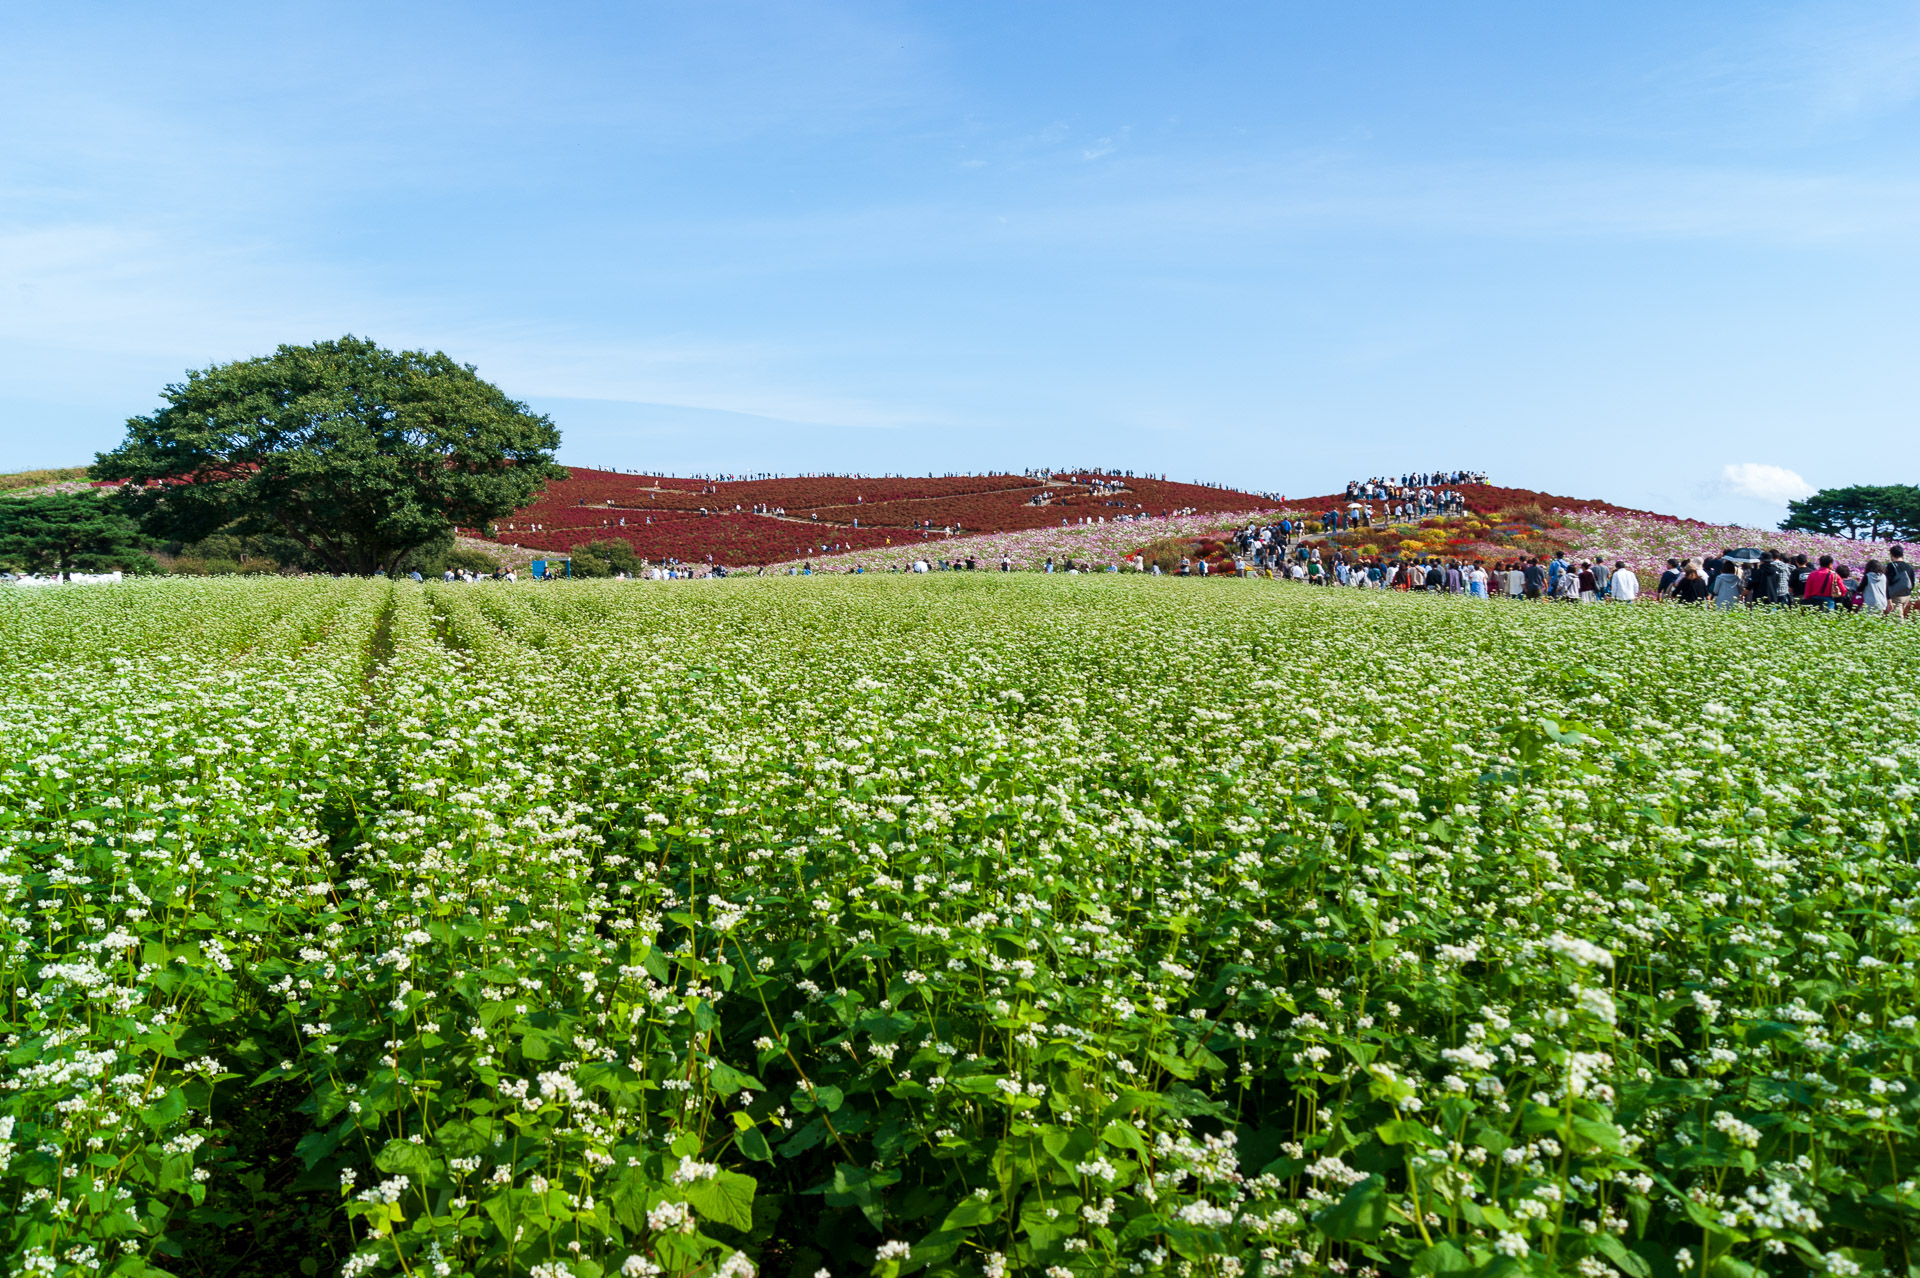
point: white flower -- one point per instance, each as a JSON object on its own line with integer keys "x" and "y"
{"x": 1205, "y": 1214}
{"x": 670, "y": 1216}
{"x": 1585, "y": 953}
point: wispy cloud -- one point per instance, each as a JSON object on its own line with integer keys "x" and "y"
{"x": 1107, "y": 146}
{"x": 1799, "y": 71}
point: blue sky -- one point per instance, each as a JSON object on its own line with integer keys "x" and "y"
{"x": 1604, "y": 250}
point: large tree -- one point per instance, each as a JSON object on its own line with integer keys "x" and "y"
{"x": 1872, "y": 511}
{"x": 361, "y": 455}
{"x": 68, "y": 533}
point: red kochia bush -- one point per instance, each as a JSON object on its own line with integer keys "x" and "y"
{"x": 729, "y": 538}
{"x": 589, "y": 504}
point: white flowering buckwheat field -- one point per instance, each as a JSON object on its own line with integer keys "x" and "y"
{"x": 1033, "y": 925}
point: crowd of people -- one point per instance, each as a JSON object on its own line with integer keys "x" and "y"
{"x": 1412, "y": 497}
{"x": 1728, "y": 580}
{"x": 1387, "y": 488}
{"x": 1734, "y": 580}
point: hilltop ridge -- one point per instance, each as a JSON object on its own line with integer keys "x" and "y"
{"x": 765, "y": 520}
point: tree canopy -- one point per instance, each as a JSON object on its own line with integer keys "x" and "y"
{"x": 605, "y": 558}
{"x": 1870, "y": 511}
{"x": 358, "y": 454}
{"x": 68, "y": 533}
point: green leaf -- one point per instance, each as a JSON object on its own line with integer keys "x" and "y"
{"x": 403, "y": 1158}
{"x": 726, "y": 1198}
{"x": 1625, "y": 1261}
{"x": 937, "y": 1248}
{"x": 727, "y": 1080}
{"x": 1174, "y": 1065}
{"x": 859, "y": 1187}
{"x": 1044, "y": 1230}
{"x": 1362, "y": 1214}
{"x": 169, "y": 1109}
{"x": 1124, "y": 1136}
{"x": 826, "y": 1096}
{"x": 972, "y": 1211}
{"x": 751, "y": 1143}
{"x": 1190, "y": 1103}
{"x": 1402, "y": 1132}
{"x": 804, "y": 1139}
{"x": 1441, "y": 1258}
{"x": 1603, "y": 1134}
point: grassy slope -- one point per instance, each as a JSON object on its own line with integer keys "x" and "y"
{"x": 21, "y": 480}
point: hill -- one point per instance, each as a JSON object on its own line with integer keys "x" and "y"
{"x": 837, "y": 521}
{"x": 763, "y": 521}
{"x": 33, "y": 483}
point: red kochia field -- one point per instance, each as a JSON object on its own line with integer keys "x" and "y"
{"x": 692, "y": 519}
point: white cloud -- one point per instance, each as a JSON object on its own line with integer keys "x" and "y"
{"x": 1773, "y": 484}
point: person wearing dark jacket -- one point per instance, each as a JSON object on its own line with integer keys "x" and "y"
{"x": 1669, "y": 578}
{"x": 1900, "y": 581}
{"x": 1797, "y": 580}
{"x": 1691, "y": 588}
{"x": 1770, "y": 580}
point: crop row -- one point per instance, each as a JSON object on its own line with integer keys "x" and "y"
{"x": 950, "y": 925}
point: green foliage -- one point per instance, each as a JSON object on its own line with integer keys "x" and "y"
{"x": 470, "y": 558}
{"x": 70, "y": 532}
{"x": 605, "y": 558}
{"x": 900, "y": 926}
{"x": 1166, "y": 552}
{"x": 19, "y": 479}
{"x": 1873, "y": 512}
{"x": 435, "y": 558}
{"x": 359, "y": 455}
{"x": 224, "y": 554}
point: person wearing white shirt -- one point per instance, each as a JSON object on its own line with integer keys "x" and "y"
{"x": 1625, "y": 586}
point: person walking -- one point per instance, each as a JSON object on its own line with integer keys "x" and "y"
{"x": 1899, "y": 581}
{"x": 1727, "y": 586}
{"x": 1873, "y": 589}
{"x": 1692, "y": 587}
{"x": 1588, "y": 587}
{"x": 1824, "y": 585}
{"x": 1668, "y": 579}
{"x": 1624, "y": 586}
{"x": 1768, "y": 585}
